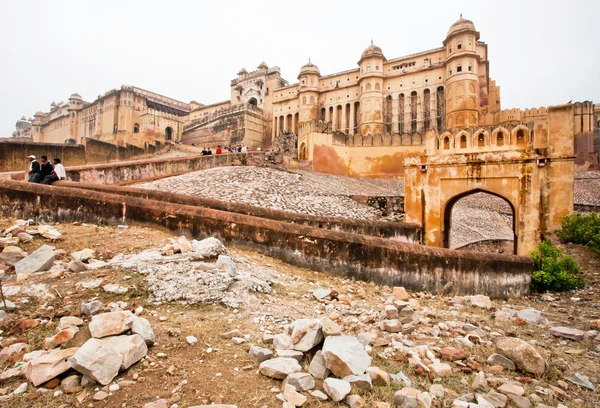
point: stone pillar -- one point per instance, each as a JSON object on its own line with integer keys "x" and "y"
{"x": 352, "y": 125}
{"x": 420, "y": 101}
{"x": 274, "y": 131}
{"x": 293, "y": 129}
{"x": 343, "y": 121}
{"x": 395, "y": 111}
{"x": 334, "y": 119}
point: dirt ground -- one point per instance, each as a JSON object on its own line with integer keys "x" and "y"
{"x": 227, "y": 375}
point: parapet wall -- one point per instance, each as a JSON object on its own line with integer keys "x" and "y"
{"x": 393, "y": 230}
{"x": 363, "y": 257}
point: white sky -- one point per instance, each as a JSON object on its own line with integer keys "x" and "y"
{"x": 541, "y": 52}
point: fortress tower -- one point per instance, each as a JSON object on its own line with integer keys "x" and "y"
{"x": 308, "y": 91}
{"x": 371, "y": 90}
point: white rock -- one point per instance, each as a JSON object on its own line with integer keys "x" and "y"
{"x": 259, "y": 354}
{"x": 306, "y": 334}
{"x": 84, "y": 255}
{"x": 191, "y": 340}
{"x": 345, "y": 355}
{"x": 321, "y": 293}
{"x": 48, "y": 365}
{"x": 92, "y": 307}
{"x": 300, "y": 381}
{"x": 107, "y": 324}
{"x": 279, "y": 367}
{"x": 20, "y": 389}
{"x": 336, "y": 389}
{"x": 99, "y": 362}
{"x": 225, "y": 262}
{"x": 142, "y": 327}
{"x": 209, "y": 248}
{"x": 42, "y": 259}
{"x": 132, "y": 348}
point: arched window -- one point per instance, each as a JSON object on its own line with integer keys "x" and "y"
{"x": 169, "y": 133}
{"x": 481, "y": 140}
{"x": 368, "y": 87}
{"x": 446, "y": 143}
{"x": 500, "y": 139}
{"x": 520, "y": 137}
{"x": 377, "y": 87}
{"x": 304, "y": 100}
{"x": 463, "y": 142}
{"x": 312, "y": 99}
{"x": 136, "y": 128}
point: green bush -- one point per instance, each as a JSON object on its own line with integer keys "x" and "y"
{"x": 554, "y": 270}
{"x": 581, "y": 229}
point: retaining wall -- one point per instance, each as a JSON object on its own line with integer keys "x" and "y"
{"x": 363, "y": 257}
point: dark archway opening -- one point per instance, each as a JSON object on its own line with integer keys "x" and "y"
{"x": 480, "y": 221}
{"x": 252, "y": 102}
{"x": 169, "y": 133}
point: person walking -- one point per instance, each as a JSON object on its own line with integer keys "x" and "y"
{"x": 58, "y": 173}
{"x": 34, "y": 169}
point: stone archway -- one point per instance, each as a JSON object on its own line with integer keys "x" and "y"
{"x": 169, "y": 133}
{"x": 252, "y": 102}
{"x": 303, "y": 154}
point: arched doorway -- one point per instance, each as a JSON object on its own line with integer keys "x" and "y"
{"x": 480, "y": 221}
{"x": 252, "y": 102}
{"x": 169, "y": 133}
{"x": 303, "y": 154}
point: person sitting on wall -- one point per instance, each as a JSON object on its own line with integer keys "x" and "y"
{"x": 58, "y": 173}
{"x": 34, "y": 170}
{"x": 204, "y": 151}
{"x": 219, "y": 150}
{"x": 46, "y": 169}
{"x": 209, "y": 151}
{"x": 244, "y": 149}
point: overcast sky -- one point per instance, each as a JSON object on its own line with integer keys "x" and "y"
{"x": 541, "y": 52}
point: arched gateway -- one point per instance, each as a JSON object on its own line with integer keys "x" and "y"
{"x": 535, "y": 178}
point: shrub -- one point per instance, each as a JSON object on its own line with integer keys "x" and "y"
{"x": 554, "y": 270}
{"x": 581, "y": 229}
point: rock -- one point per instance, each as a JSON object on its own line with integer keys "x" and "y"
{"x": 238, "y": 340}
{"x": 69, "y": 321}
{"x": 292, "y": 396}
{"x": 524, "y": 355}
{"x": 92, "y": 307}
{"x": 230, "y": 334}
{"x": 111, "y": 323}
{"x": 479, "y": 301}
{"x": 510, "y": 388}
{"x": 519, "y": 402}
{"x": 71, "y": 381}
{"x": 318, "y": 368}
{"x": 225, "y": 262}
{"x": 259, "y": 354}
{"x": 52, "y": 384}
{"x": 392, "y": 326}
{"x": 99, "y": 362}
{"x": 344, "y": 355}
{"x": 401, "y": 294}
{"x": 531, "y": 316}
{"x": 321, "y": 293}
{"x": 479, "y": 382}
{"x": 355, "y": 401}
{"x": 329, "y": 327}
{"x": 14, "y": 348}
{"x": 282, "y": 341}
{"x": 379, "y": 404}
{"x": 319, "y": 395}
{"x": 300, "y": 381}
{"x": 391, "y": 312}
{"x": 12, "y": 373}
{"x": 47, "y": 366}
{"x": 161, "y": 403}
{"x": 378, "y": 376}
{"x": 581, "y": 380}
{"x": 496, "y": 399}
{"x": 437, "y": 390}
{"x": 20, "y": 389}
{"x": 77, "y": 266}
{"x": 208, "y": 248}
{"x": 11, "y": 255}
{"x": 567, "y": 333}
{"x": 142, "y": 327}
{"x": 409, "y": 397}
{"x": 401, "y": 378}
{"x": 290, "y": 354}
{"x": 114, "y": 387}
{"x": 84, "y": 255}
{"x": 42, "y": 259}
{"x": 114, "y": 288}
{"x": 96, "y": 264}
{"x": 184, "y": 244}
{"x": 440, "y": 369}
{"x": 366, "y": 338}
{"x": 100, "y": 395}
{"x": 453, "y": 354}
{"x": 336, "y": 389}
{"x": 191, "y": 340}
{"x": 60, "y": 338}
{"x": 360, "y": 381}
{"x": 132, "y": 348}
{"x": 279, "y": 367}
{"x": 306, "y": 334}
{"x": 497, "y": 359}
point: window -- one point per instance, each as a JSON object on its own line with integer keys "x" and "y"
{"x": 459, "y": 68}
{"x": 470, "y": 68}
{"x": 450, "y": 71}
{"x": 459, "y": 46}
{"x": 376, "y": 67}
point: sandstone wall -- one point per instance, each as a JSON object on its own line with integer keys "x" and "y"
{"x": 358, "y": 256}
{"x": 13, "y": 155}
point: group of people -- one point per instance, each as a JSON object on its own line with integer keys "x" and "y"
{"x": 45, "y": 172}
{"x": 207, "y": 151}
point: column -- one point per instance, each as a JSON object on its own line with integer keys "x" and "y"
{"x": 395, "y": 111}
{"x": 293, "y": 129}
{"x": 274, "y": 130}
{"x": 420, "y": 101}
{"x": 352, "y": 114}
{"x": 334, "y": 119}
{"x": 343, "y": 123}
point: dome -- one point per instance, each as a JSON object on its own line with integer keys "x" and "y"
{"x": 372, "y": 51}
{"x": 242, "y": 71}
{"x": 309, "y": 68}
{"x": 461, "y": 25}
{"x": 263, "y": 65}
{"x": 23, "y": 118}
{"x": 75, "y": 96}
{"x": 38, "y": 113}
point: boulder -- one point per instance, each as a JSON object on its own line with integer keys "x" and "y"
{"x": 111, "y": 323}
{"x": 355, "y": 401}
{"x": 531, "y": 316}
{"x": 479, "y": 301}
{"x": 360, "y": 381}
{"x": 97, "y": 361}
{"x": 306, "y": 334}
{"x": 259, "y": 354}
{"x": 84, "y": 255}
{"x": 92, "y": 307}
{"x": 132, "y": 348}
{"x": 142, "y": 327}
{"x": 511, "y": 388}
{"x": 11, "y": 255}
{"x": 409, "y": 397}
{"x": 208, "y": 248}
{"x": 42, "y": 259}
{"x": 300, "y": 381}
{"x": 345, "y": 355}
{"x": 567, "y": 333}
{"x": 582, "y": 381}
{"x": 282, "y": 341}
{"x": 336, "y": 389}
{"x": 440, "y": 369}
{"x": 392, "y": 326}
{"x": 524, "y": 355}
{"x": 497, "y": 359}
{"x": 226, "y": 263}
{"x": 77, "y": 266}
{"x": 298, "y": 355}
{"x": 184, "y": 244}
{"x": 159, "y": 403}
{"x": 401, "y": 294}
{"x": 279, "y": 367}
{"x": 329, "y": 327}
{"x": 453, "y": 354}
{"x": 391, "y": 312}
{"x": 61, "y": 337}
{"x": 318, "y": 367}
{"x": 378, "y": 376}
{"x": 292, "y": 396}
{"x": 48, "y": 365}
{"x": 321, "y": 293}
{"x": 69, "y": 321}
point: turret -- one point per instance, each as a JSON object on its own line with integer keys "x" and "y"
{"x": 371, "y": 90}
{"x": 308, "y": 92}
{"x": 462, "y": 82}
